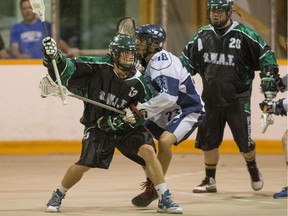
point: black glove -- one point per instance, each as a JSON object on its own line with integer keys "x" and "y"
{"x": 268, "y": 87}
{"x": 273, "y": 107}
{"x": 280, "y": 84}
{"x": 110, "y": 123}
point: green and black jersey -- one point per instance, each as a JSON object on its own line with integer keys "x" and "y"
{"x": 94, "y": 78}
{"x": 226, "y": 62}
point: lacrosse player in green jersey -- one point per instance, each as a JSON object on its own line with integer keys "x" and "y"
{"x": 226, "y": 55}
{"x": 114, "y": 81}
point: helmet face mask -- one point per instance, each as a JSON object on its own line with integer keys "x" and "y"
{"x": 219, "y": 12}
{"x": 150, "y": 39}
{"x": 123, "y": 51}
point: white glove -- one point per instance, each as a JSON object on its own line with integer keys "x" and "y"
{"x": 133, "y": 113}
{"x": 49, "y": 47}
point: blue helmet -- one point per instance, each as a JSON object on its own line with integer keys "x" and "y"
{"x": 153, "y": 34}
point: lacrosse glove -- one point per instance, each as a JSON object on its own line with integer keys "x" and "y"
{"x": 50, "y": 51}
{"x": 271, "y": 82}
{"x": 135, "y": 114}
{"x": 273, "y": 107}
{"x": 268, "y": 87}
{"x": 110, "y": 123}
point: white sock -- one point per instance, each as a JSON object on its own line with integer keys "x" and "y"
{"x": 62, "y": 189}
{"x": 160, "y": 188}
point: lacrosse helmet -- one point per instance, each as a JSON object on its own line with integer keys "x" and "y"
{"x": 123, "y": 43}
{"x": 154, "y": 35}
{"x": 226, "y": 5}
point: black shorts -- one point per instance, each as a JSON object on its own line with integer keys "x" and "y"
{"x": 98, "y": 147}
{"x": 211, "y": 130}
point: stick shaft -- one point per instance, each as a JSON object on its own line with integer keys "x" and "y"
{"x": 59, "y": 81}
{"x": 97, "y": 103}
{"x": 45, "y": 29}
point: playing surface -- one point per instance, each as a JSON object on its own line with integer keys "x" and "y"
{"x": 27, "y": 182}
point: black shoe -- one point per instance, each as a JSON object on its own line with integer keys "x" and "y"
{"x": 256, "y": 177}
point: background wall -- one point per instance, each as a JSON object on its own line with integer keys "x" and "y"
{"x": 27, "y": 116}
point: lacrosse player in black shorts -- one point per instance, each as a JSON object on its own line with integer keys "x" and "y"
{"x": 114, "y": 81}
{"x": 226, "y": 55}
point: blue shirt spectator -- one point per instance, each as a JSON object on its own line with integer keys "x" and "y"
{"x": 26, "y": 39}
{"x": 3, "y": 51}
{"x": 26, "y": 36}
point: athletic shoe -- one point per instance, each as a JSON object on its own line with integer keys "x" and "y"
{"x": 54, "y": 203}
{"x": 167, "y": 205}
{"x": 208, "y": 185}
{"x": 256, "y": 177}
{"x": 148, "y": 196}
{"x": 281, "y": 194}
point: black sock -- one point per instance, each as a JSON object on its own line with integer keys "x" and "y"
{"x": 210, "y": 170}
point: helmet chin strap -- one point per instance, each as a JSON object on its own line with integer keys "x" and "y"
{"x": 127, "y": 70}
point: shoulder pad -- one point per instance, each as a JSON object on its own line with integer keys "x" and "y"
{"x": 161, "y": 60}
{"x": 95, "y": 59}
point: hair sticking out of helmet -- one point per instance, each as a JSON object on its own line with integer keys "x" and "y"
{"x": 123, "y": 51}
{"x": 216, "y": 6}
{"x": 154, "y": 35}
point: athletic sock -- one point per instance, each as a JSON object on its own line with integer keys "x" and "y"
{"x": 210, "y": 170}
{"x": 160, "y": 188}
{"x": 62, "y": 189}
{"x": 250, "y": 161}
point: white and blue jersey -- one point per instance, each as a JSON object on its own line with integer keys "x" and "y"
{"x": 176, "y": 105}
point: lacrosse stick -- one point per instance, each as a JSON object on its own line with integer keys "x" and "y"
{"x": 39, "y": 9}
{"x": 266, "y": 120}
{"x": 48, "y": 87}
{"x": 126, "y": 26}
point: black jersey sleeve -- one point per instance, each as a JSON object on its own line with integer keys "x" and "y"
{"x": 260, "y": 53}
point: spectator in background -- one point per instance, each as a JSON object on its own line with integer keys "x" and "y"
{"x": 3, "y": 51}
{"x": 26, "y": 36}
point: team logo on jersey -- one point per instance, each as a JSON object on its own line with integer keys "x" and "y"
{"x": 219, "y": 59}
{"x": 162, "y": 83}
{"x": 112, "y": 100}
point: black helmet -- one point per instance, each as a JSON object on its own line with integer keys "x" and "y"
{"x": 226, "y": 5}
{"x": 220, "y": 4}
{"x": 154, "y": 34}
{"x": 122, "y": 43}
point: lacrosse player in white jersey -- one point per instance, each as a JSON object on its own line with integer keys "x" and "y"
{"x": 277, "y": 108}
{"x": 175, "y": 109}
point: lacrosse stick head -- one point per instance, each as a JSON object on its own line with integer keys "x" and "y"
{"x": 126, "y": 26}
{"x": 38, "y": 8}
{"x": 266, "y": 120}
{"x": 48, "y": 87}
